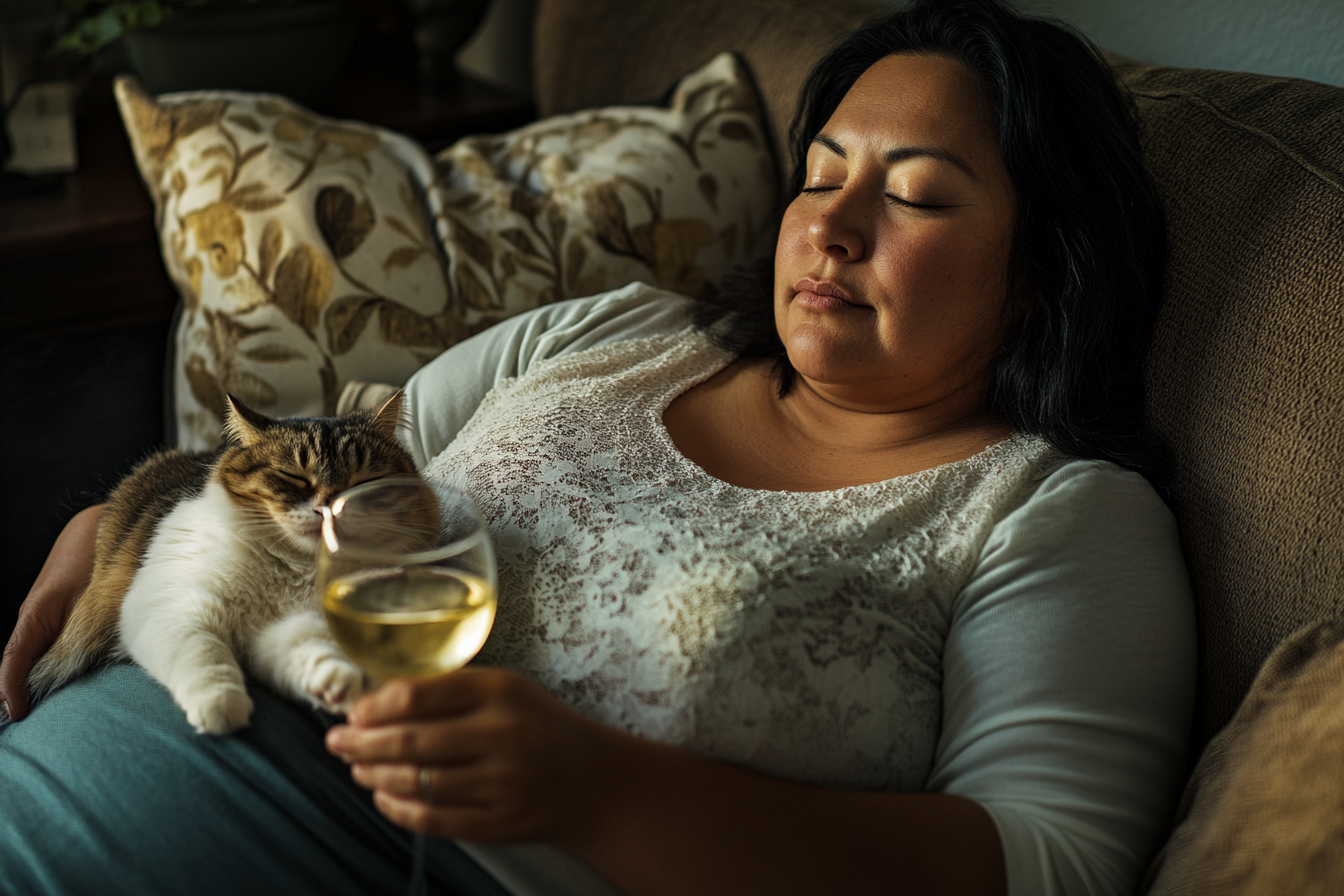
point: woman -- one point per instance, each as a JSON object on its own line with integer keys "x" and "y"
{"x": 854, "y": 592}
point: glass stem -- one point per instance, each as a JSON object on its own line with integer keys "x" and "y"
{"x": 418, "y": 868}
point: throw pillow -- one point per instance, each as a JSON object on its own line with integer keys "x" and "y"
{"x": 311, "y": 252}
{"x": 1264, "y": 810}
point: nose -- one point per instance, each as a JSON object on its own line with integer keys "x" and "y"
{"x": 322, "y": 497}
{"x": 839, "y": 229}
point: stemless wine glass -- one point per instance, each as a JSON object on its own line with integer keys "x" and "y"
{"x": 407, "y": 584}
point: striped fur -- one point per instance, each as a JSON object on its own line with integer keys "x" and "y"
{"x": 201, "y": 561}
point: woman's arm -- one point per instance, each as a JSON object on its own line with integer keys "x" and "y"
{"x": 511, "y": 763}
{"x": 63, "y": 578}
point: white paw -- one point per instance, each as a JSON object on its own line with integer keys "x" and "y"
{"x": 334, "y": 683}
{"x": 218, "y": 709}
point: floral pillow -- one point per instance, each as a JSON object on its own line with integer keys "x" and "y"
{"x": 311, "y": 252}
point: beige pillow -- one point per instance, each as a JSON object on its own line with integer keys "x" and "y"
{"x": 311, "y": 252}
{"x": 1264, "y": 810}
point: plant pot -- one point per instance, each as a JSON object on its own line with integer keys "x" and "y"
{"x": 297, "y": 51}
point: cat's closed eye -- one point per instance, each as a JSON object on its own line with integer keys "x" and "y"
{"x": 296, "y": 479}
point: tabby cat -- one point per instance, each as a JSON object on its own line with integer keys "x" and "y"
{"x": 201, "y": 561}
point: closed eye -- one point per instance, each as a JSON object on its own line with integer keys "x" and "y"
{"x": 295, "y": 479}
{"x": 905, "y": 203}
{"x": 890, "y": 197}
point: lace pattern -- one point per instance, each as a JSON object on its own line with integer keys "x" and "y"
{"x": 796, "y": 633}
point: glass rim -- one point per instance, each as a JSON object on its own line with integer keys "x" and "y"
{"x": 453, "y": 548}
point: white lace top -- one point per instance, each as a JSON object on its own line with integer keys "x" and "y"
{"x": 951, "y": 630}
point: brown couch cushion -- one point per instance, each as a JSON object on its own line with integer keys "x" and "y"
{"x": 1247, "y": 371}
{"x": 607, "y": 52}
{"x": 1264, "y": 811}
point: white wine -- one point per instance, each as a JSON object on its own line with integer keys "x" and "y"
{"x": 409, "y": 622}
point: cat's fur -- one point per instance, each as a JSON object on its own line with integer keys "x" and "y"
{"x": 202, "y": 562}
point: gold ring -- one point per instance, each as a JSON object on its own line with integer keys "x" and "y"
{"x": 427, "y": 785}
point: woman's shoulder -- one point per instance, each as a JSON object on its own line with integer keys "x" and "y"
{"x": 1090, "y": 519}
{"x": 1088, "y": 485}
{"x": 634, "y": 311}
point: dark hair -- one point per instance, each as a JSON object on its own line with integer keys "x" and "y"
{"x": 1089, "y": 241}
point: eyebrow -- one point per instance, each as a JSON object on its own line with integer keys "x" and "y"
{"x": 901, "y": 153}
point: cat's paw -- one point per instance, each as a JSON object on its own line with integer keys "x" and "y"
{"x": 335, "y": 684}
{"x": 218, "y": 709}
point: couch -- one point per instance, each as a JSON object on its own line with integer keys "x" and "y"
{"x": 1246, "y": 374}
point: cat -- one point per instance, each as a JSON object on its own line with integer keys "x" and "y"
{"x": 203, "y": 560}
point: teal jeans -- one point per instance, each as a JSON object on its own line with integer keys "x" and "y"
{"x": 106, "y": 789}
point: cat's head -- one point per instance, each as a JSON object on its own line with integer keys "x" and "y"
{"x": 283, "y": 471}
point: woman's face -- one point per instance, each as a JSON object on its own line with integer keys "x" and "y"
{"x": 892, "y": 266}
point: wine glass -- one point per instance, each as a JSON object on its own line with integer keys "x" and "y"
{"x": 407, "y": 584}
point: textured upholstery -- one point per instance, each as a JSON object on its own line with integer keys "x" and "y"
{"x": 1247, "y": 370}
{"x": 634, "y": 52}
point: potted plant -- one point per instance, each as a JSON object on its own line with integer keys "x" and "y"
{"x": 292, "y": 47}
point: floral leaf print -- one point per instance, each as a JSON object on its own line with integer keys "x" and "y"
{"x": 218, "y": 231}
{"x": 204, "y": 387}
{"x": 519, "y": 239}
{"x": 476, "y": 247}
{"x": 343, "y": 221}
{"x": 402, "y": 258}
{"x": 400, "y": 227}
{"x": 399, "y": 325}
{"x": 406, "y": 191}
{"x": 526, "y": 203}
{"x": 251, "y": 388}
{"x": 611, "y": 228}
{"x": 346, "y": 319}
{"x": 273, "y": 354}
{"x": 268, "y": 251}
{"x": 302, "y": 286}
{"x": 473, "y": 292}
{"x": 246, "y": 122}
{"x": 252, "y": 198}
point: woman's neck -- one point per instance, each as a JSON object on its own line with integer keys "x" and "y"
{"x": 736, "y": 428}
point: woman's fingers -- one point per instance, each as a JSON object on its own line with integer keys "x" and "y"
{"x": 440, "y": 696}
{"x": 43, "y": 614}
{"x": 30, "y": 639}
{"x": 448, "y": 785}
{"x": 434, "y": 743}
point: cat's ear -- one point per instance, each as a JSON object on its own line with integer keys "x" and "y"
{"x": 242, "y": 425}
{"x": 391, "y": 414}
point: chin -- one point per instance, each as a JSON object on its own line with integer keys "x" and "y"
{"x": 304, "y": 540}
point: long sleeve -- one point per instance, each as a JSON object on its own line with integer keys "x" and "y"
{"x": 1069, "y": 682}
{"x": 443, "y": 395}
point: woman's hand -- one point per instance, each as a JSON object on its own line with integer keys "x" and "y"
{"x": 63, "y": 578}
{"x": 507, "y": 760}
{"x": 511, "y": 763}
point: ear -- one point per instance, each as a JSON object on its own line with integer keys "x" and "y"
{"x": 242, "y": 425}
{"x": 390, "y": 415}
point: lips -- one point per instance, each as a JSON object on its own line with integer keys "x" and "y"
{"x": 823, "y": 295}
